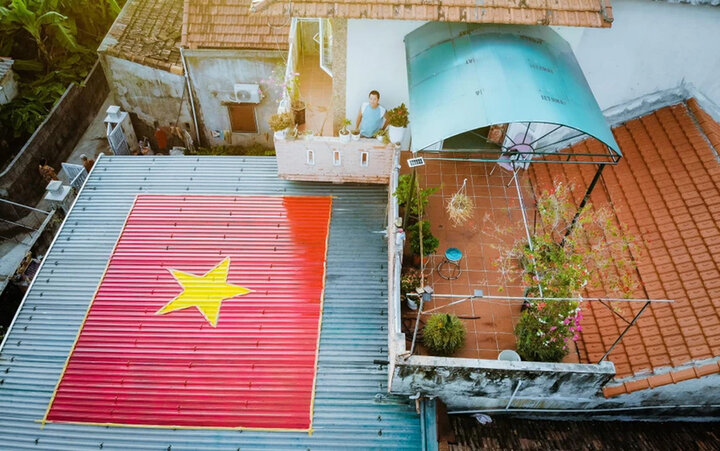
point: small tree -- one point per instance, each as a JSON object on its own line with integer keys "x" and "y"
{"x": 398, "y": 116}
{"x": 430, "y": 242}
{"x": 444, "y": 334}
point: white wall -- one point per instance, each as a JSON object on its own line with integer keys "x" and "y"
{"x": 652, "y": 46}
{"x": 376, "y": 60}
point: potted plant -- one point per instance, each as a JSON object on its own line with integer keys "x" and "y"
{"x": 382, "y": 136}
{"x": 344, "y": 132}
{"x": 409, "y": 283}
{"x": 398, "y": 120}
{"x": 296, "y": 105}
{"x": 444, "y": 334}
{"x": 309, "y": 135}
{"x": 355, "y": 134}
{"x": 280, "y": 123}
{"x": 429, "y": 241}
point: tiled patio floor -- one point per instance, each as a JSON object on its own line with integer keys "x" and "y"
{"x": 316, "y": 91}
{"x": 489, "y": 322}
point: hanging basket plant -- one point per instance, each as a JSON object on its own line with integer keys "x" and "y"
{"x": 460, "y": 208}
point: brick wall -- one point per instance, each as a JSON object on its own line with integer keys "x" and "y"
{"x": 55, "y": 139}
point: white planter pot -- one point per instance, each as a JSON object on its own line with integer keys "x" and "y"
{"x": 356, "y": 137}
{"x": 281, "y": 134}
{"x": 345, "y": 138}
{"x": 396, "y": 134}
{"x": 412, "y": 305}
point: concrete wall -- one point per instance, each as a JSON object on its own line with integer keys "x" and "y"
{"x": 55, "y": 139}
{"x": 149, "y": 95}
{"x": 213, "y": 74}
{"x": 293, "y": 165}
{"x": 469, "y": 384}
{"x": 652, "y": 46}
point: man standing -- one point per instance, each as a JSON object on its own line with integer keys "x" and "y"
{"x": 371, "y": 116}
{"x": 87, "y": 163}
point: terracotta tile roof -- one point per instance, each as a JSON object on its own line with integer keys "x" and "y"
{"x": 666, "y": 190}
{"x": 227, "y": 24}
{"x": 578, "y": 13}
{"x": 147, "y": 32}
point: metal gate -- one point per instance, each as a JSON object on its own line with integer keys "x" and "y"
{"x": 116, "y": 138}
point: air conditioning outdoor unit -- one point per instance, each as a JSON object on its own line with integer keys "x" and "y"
{"x": 247, "y": 93}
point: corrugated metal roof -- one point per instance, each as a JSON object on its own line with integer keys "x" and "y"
{"x": 351, "y": 409}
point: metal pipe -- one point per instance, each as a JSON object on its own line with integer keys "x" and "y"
{"x": 417, "y": 323}
{"x": 517, "y": 387}
{"x": 24, "y": 206}
{"x": 190, "y": 95}
{"x": 625, "y": 331}
{"x": 606, "y": 409}
{"x": 483, "y": 160}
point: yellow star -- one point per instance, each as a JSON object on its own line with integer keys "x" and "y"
{"x": 204, "y": 292}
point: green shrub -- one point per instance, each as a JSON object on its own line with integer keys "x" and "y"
{"x": 430, "y": 242}
{"x": 403, "y": 191}
{"x": 545, "y": 329}
{"x": 398, "y": 116}
{"x": 444, "y": 334}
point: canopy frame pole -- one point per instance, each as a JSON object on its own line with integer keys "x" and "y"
{"x": 589, "y": 191}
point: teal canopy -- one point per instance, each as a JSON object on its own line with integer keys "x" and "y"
{"x": 464, "y": 77}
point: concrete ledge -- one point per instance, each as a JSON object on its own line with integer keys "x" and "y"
{"x": 482, "y": 384}
{"x": 362, "y": 161}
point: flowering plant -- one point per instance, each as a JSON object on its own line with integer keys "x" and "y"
{"x": 410, "y": 281}
{"x": 398, "y": 116}
{"x": 568, "y": 252}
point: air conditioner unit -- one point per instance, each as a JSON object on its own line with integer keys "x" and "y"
{"x": 247, "y": 93}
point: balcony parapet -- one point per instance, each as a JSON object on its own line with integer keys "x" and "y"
{"x": 329, "y": 159}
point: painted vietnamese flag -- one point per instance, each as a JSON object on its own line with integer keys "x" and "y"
{"x": 208, "y": 315}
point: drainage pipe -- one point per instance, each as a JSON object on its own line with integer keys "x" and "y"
{"x": 190, "y": 95}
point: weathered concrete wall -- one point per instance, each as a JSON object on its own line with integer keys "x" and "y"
{"x": 213, "y": 74}
{"x": 702, "y": 391}
{"x": 468, "y": 384}
{"x": 55, "y": 139}
{"x": 339, "y": 70}
{"x": 149, "y": 95}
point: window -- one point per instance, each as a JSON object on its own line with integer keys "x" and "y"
{"x": 310, "y": 157}
{"x": 336, "y": 158}
{"x": 364, "y": 158}
{"x": 242, "y": 118}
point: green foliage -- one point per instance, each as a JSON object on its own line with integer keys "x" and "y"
{"x": 398, "y": 116}
{"x": 444, "y": 334}
{"x": 53, "y": 44}
{"x": 257, "y": 150}
{"x": 404, "y": 190}
{"x": 281, "y": 121}
{"x": 430, "y": 242}
{"x": 565, "y": 254}
{"x": 345, "y": 124}
{"x": 409, "y": 281}
{"x": 545, "y": 328}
